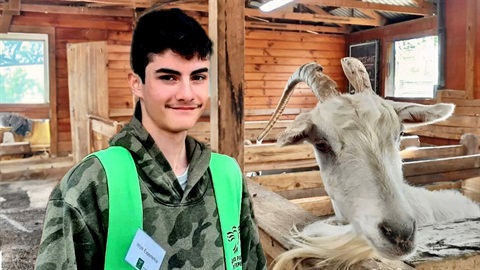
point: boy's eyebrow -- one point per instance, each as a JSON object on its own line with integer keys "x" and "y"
{"x": 167, "y": 70}
{"x": 200, "y": 70}
{"x": 174, "y": 72}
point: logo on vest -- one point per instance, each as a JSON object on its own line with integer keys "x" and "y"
{"x": 233, "y": 237}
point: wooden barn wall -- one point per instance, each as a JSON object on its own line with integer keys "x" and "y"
{"x": 270, "y": 58}
{"x": 390, "y": 33}
{"x": 71, "y": 29}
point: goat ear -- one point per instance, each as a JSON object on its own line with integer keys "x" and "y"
{"x": 297, "y": 131}
{"x": 413, "y": 114}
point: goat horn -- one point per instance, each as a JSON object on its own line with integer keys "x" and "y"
{"x": 320, "y": 84}
{"x": 356, "y": 74}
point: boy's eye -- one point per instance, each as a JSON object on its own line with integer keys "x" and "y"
{"x": 166, "y": 78}
{"x": 199, "y": 77}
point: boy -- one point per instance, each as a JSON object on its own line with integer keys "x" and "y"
{"x": 170, "y": 60}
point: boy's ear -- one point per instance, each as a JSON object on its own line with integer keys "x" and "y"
{"x": 135, "y": 84}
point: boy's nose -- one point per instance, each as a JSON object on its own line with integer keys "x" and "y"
{"x": 185, "y": 92}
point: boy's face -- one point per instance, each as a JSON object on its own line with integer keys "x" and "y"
{"x": 175, "y": 92}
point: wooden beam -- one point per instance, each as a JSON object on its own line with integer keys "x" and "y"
{"x": 320, "y": 11}
{"x": 310, "y": 17}
{"x": 123, "y": 3}
{"x": 470, "y": 56}
{"x": 373, "y": 6}
{"x": 11, "y": 8}
{"x": 294, "y": 27}
{"x": 57, "y": 9}
{"x": 226, "y": 27}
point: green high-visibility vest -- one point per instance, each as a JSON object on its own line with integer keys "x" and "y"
{"x": 124, "y": 196}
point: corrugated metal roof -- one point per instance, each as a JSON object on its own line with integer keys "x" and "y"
{"x": 349, "y": 12}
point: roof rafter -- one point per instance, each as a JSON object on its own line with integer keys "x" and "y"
{"x": 310, "y": 17}
{"x": 424, "y": 11}
{"x": 294, "y": 27}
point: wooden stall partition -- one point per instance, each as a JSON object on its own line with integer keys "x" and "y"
{"x": 88, "y": 91}
{"x": 276, "y": 217}
{"x": 465, "y": 119}
{"x": 292, "y": 171}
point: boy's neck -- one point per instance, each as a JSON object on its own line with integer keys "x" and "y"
{"x": 172, "y": 146}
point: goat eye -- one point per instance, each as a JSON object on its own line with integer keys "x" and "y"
{"x": 323, "y": 147}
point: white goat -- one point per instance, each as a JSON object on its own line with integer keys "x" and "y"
{"x": 356, "y": 143}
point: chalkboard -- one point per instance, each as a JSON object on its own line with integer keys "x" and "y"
{"x": 367, "y": 53}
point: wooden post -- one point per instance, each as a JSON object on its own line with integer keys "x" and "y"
{"x": 226, "y": 28}
{"x": 470, "y": 49}
{"x": 471, "y": 143}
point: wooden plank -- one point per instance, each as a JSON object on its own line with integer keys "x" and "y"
{"x": 290, "y": 181}
{"x": 319, "y": 206}
{"x": 433, "y": 152}
{"x": 292, "y": 36}
{"x": 448, "y": 93}
{"x": 288, "y": 53}
{"x": 51, "y": 170}
{"x": 59, "y": 9}
{"x": 289, "y": 26}
{"x": 15, "y": 148}
{"x": 454, "y": 175}
{"x": 448, "y": 246}
{"x": 106, "y": 129}
{"x": 270, "y": 153}
{"x": 227, "y": 30}
{"x": 281, "y": 165}
{"x": 414, "y": 168}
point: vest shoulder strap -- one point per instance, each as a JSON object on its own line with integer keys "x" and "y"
{"x": 227, "y": 183}
{"x": 123, "y": 189}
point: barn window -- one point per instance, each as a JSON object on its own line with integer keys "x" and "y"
{"x": 415, "y": 68}
{"x": 24, "y": 72}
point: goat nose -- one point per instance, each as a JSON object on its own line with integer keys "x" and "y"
{"x": 400, "y": 237}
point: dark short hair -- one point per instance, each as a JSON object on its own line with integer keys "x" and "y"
{"x": 159, "y": 30}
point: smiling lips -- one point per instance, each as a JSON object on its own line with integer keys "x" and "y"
{"x": 184, "y": 107}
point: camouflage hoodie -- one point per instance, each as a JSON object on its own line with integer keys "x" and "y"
{"x": 184, "y": 223}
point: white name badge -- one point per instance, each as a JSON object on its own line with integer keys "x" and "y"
{"x": 144, "y": 253}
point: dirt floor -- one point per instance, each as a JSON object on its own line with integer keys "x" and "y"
{"x": 22, "y": 209}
